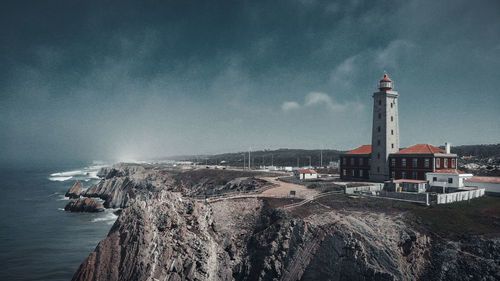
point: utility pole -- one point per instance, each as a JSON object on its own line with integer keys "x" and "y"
{"x": 309, "y": 161}
{"x": 249, "y": 163}
{"x": 272, "y": 160}
{"x": 321, "y": 159}
{"x": 244, "y": 161}
{"x": 298, "y": 162}
{"x": 263, "y": 162}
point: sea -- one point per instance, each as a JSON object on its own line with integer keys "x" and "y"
{"x": 38, "y": 239}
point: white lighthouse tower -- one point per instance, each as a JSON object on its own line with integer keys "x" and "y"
{"x": 385, "y": 131}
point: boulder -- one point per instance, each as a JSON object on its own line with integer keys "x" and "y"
{"x": 84, "y": 205}
{"x": 75, "y": 190}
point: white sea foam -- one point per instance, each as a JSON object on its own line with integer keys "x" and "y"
{"x": 84, "y": 174}
{"x": 68, "y": 173}
{"x": 107, "y": 217}
{"x": 59, "y": 178}
{"x": 60, "y": 209}
{"x": 62, "y": 198}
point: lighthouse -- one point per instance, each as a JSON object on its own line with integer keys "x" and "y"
{"x": 385, "y": 130}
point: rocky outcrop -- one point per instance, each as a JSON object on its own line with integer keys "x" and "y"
{"x": 169, "y": 238}
{"x": 84, "y": 205}
{"x": 123, "y": 183}
{"x": 165, "y": 235}
{"x": 75, "y": 190}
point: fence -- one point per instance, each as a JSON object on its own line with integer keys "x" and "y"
{"x": 357, "y": 189}
{"x": 421, "y": 198}
{"x": 459, "y": 196}
{"x": 289, "y": 206}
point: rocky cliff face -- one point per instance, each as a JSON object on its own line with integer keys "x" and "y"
{"x": 84, "y": 205}
{"x": 164, "y": 235}
{"x": 75, "y": 190}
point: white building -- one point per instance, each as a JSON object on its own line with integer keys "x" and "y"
{"x": 305, "y": 174}
{"x": 445, "y": 179}
{"x": 490, "y": 184}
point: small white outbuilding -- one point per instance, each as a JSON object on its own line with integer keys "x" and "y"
{"x": 445, "y": 179}
{"x": 305, "y": 174}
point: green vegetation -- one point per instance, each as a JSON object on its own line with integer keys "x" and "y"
{"x": 477, "y": 216}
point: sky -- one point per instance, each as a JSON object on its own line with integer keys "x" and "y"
{"x": 121, "y": 80}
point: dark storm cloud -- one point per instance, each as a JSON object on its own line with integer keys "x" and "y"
{"x": 135, "y": 79}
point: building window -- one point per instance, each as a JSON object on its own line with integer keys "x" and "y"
{"x": 403, "y": 175}
{"x": 352, "y": 161}
{"x": 445, "y": 163}
{"x": 378, "y": 142}
{"x": 403, "y": 162}
{"x": 393, "y": 174}
{"x": 392, "y": 132}
{"x": 391, "y": 104}
{"x": 378, "y": 129}
{"x": 352, "y": 172}
{"x": 453, "y": 163}
{"x": 392, "y": 145}
{"x": 360, "y": 173}
{"x": 415, "y": 176}
{"x": 344, "y": 172}
{"x": 415, "y": 162}
{"x": 379, "y": 115}
{"x": 434, "y": 179}
{"x": 360, "y": 161}
{"x": 378, "y": 155}
{"x": 392, "y": 118}
{"x": 438, "y": 163}
{"x": 344, "y": 161}
{"x": 379, "y": 102}
{"x": 393, "y": 162}
{"x": 426, "y": 163}
{"x": 378, "y": 169}
{"x": 450, "y": 180}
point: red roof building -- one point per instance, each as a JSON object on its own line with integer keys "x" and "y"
{"x": 415, "y": 161}
{"x": 355, "y": 164}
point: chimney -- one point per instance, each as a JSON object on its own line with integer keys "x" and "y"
{"x": 447, "y": 145}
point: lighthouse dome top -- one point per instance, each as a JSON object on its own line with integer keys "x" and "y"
{"x": 385, "y": 83}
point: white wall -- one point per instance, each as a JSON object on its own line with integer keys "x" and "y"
{"x": 442, "y": 179}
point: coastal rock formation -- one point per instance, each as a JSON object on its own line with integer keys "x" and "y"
{"x": 165, "y": 235}
{"x": 75, "y": 190}
{"x": 84, "y": 205}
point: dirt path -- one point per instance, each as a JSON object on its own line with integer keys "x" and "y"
{"x": 283, "y": 189}
{"x": 280, "y": 190}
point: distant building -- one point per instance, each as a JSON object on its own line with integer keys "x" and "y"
{"x": 305, "y": 174}
{"x": 447, "y": 179}
{"x": 355, "y": 164}
{"x": 417, "y": 160}
{"x": 490, "y": 184}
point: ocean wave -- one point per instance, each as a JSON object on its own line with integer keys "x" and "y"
{"x": 59, "y": 178}
{"x": 84, "y": 174}
{"x": 62, "y": 198}
{"x": 108, "y": 217}
{"x": 60, "y": 209}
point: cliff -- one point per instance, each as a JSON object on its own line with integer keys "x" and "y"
{"x": 75, "y": 190}
{"x": 169, "y": 236}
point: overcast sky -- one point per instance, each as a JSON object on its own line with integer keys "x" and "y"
{"x": 131, "y": 80}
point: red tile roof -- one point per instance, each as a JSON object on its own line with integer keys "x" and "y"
{"x": 364, "y": 149}
{"x": 450, "y": 171}
{"x": 421, "y": 149}
{"x": 485, "y": 179}
{"x": 386, "y": 79}
{"x": 306, "y": 171}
